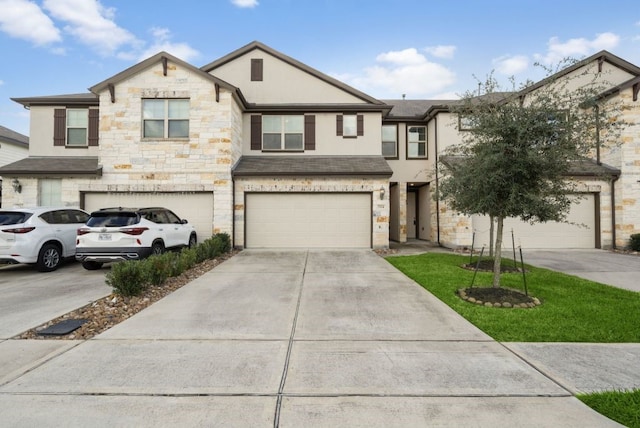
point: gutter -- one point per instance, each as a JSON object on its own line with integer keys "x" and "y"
{"x": 613, "y": 210}
{"x": 435, "y": 118}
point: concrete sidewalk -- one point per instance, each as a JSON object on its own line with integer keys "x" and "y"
{"x": 290, "y": 339}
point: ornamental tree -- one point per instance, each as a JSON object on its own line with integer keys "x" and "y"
{"x": 519, "y": 147}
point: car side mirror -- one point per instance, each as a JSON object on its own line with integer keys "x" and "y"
{"x": 184, "y": 221}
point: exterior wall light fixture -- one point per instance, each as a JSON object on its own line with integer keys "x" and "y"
{"x": 382, "y": 193}
{"x": 17, "y": 187}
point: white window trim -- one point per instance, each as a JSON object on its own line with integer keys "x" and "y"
{"x": 395, "y": 141}
{"x": 350, "y": 130}
{"x": 283, "y": 133}
{"x": 409, "y": 143}
{"x": 85, "y": 111}
{"x": 165, "y": 119}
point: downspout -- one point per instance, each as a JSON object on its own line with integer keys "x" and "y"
{"x": 613, "y": 210}
{"x": 597, "y": 109}
{"x": 233, "y": 211}
{"x": 435, "y": 118}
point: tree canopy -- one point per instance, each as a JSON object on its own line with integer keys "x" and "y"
{"x": 520, "y": 146}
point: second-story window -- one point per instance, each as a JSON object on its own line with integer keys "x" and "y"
{"x": 282, "y": 132}
{"x": 416, "y": 142}
{"x": 77, "y": 126}
{"x": 390, "y": 141}
{"x": 165, "y": 118}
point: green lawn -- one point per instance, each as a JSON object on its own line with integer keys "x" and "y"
{"x": 572, "y": 310}
{"x": 621, "y": 406}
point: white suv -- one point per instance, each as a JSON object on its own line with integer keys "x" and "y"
{"x": 116, "y": 234}
{"x": 40, "y": 236}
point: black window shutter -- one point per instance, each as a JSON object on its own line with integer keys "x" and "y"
{"x": 94, "y": 117}
{"x": 360, "y": 120}
{"x": 256, "y": 132}
{"x": 256, "y": 69}
{"x": 59, "y": 126}
{"x": 310, "y": 132}
{"x": 339, "y": 125}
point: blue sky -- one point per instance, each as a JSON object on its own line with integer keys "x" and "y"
{"x": 424, "y": 49}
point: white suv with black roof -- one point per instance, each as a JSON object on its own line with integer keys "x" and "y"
{"x": 117, "y": 234}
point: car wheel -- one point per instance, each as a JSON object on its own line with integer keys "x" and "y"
{"x": 157, "y": 248}
{"x": 91, "y": 265}
{"x": 49, "y": 258}
{"x": 193, "y": 240}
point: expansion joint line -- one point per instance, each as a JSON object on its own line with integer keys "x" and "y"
{"x": 276, "y": 419}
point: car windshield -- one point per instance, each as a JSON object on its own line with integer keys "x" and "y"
{"x": 112, "y": 219}
{"x": 12, "y": 217}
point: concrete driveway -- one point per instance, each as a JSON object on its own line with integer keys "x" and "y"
{"x": 29, "y": 298}
{"x": 606, "y": 267}
{"x": 286, "y": 339}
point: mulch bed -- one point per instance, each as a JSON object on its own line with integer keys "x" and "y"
{"x": 103, "y": 314}
{"x": 498, "y": 297}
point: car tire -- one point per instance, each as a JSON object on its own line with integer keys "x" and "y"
{"x": 157, "y": 248}
{"x": 193, "y": 240}
{"x": 91, "y": 265}
{"x": 49, "y": 258}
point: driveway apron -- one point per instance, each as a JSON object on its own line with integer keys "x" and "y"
{"x": 291, "y": 338}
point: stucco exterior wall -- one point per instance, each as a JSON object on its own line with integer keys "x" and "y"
{"x": 281, "y": 84}
{"x": 380, "y": 208}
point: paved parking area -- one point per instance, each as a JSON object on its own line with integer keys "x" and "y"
{"x": 29, "y": 298}
{"x": 288, "y": 339}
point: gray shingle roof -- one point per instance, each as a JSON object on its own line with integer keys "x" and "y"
{"x": 64, "y": 166}
{"x": 312, "y": 165}
{"x": 14, "y": 137}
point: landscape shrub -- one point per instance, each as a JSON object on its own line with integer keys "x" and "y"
{"x": 131, "y": 278}
{"x": 635, "y": 242}
{"x": 127, "y": 278}
{"x": 158, "y": 268}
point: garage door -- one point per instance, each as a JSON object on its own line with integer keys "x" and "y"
{"x": 550, "y": 234}
{"x": 196, "y": 207}
{"x": 308, "y": 220}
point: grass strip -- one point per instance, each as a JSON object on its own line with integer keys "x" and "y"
{"x": 572, "y": 310}
{"x": 621, "y": 406}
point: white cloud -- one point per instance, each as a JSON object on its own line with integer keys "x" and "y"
{"x": 511, "y": 65}
{"x": 403, "y": 72}
{"x": 92, "y": 24}
{"x": 442, "y": 51}
{"x": 245, "y": 3}
{"x": 25, "y": 20}
{"x": 1, "y": 82}
{"x": 576, "y": 48}
{"x": 162, "y": 42}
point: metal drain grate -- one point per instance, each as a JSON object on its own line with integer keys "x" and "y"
{"x": 62, "y": 328}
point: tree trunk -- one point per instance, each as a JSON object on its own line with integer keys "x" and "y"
{"x": 498, "y": 253}
{"x": 491, "y": 233}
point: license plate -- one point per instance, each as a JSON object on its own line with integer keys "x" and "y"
{"x": 104, "y": 237}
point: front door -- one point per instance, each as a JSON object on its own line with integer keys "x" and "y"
{"x": 412, "y": 215}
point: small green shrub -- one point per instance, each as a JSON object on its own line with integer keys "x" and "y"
{"x": 634, "y": 242}
{"x": 127, "y": 278}
{"x": 158, "y": 268}
{"x": 131, "y": 278}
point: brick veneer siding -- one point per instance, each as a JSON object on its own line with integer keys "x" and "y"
{"x": 380, "y": 207}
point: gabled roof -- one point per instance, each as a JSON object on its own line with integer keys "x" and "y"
{"x": 252, "y": 166}
{"x": 603, "y": 55}
{"x": 53, "y": 165}
{"x": 413, "y": 109}
{"x": 13, "y": 137}
{"x": 85, "y": 99}
{"x": 159, "y": 57}
{"x": 293, "y": 62}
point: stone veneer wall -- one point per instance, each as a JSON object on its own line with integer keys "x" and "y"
{"x": 380, "y": 208}
{"x": 200, "y": 163}
{"x": 626, "y": 156}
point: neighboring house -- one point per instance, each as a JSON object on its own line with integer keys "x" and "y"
{"x": 277, "y": 154}
{"x": 13, "y": 146}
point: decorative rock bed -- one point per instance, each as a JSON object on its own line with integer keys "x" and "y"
{"x": 501, "y": 297}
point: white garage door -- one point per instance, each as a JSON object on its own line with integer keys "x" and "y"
{"x": 308, "y": 220}
{"x": 546, "y": 235}
{"x": 197, "y": 208}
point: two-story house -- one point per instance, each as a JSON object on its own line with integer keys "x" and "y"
{"x": 13, "y": 146}
{"x": 277, "y": 154}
